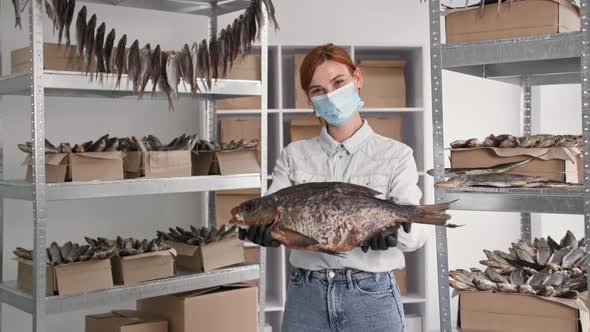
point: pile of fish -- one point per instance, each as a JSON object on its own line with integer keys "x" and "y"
{"x": 127, "y": 247}
{"x": 509, "y": 141}
{"x": 112, "y": 144}
{"x": 544, "y": 268}
{"x": 503, "y": 181}
{"x": 208, "y": 60}
{"x": 198, "y": 237}
{"x": 69, "y": 253}
{"x": 204, "y": 145}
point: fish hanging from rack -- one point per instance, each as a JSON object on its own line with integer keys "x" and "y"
{"x": 19, "y": 8}
{"x": 70, "y": 9}
{"x": 204, "y": 63}
{"x": 99, "y": 48}
{"x": 171, "y": 76}
{"x": 108, "y": 49}
{"x": 61, "y": 17}
{"x": 157, "y": 68}
{"x": 186, "y": 66}
{"x": 120, "y": 59}
{"x": 146, "y": 67}
{"x": 81, "y": 30}
{"x": 133, "y": 66}
{"x": 90, "y": 30}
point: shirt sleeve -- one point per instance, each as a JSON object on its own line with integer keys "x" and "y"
{"x": 280, "y": 174}
{"x": 404, "y": 190}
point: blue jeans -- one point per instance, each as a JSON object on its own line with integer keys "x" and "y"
{"x": 342, "y": 301}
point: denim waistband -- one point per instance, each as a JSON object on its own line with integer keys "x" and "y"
{"x": 342, "y": 275}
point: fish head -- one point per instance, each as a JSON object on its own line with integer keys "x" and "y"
{"x": 253, "y": 212}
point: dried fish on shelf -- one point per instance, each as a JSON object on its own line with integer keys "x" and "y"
{"x": 206, "y": 146}
{"x": 544, "y": 268}
{"x": 69, "y": 253}
{"x": 198, "y": 236}
{"x": 19, "y": 8}
{"x": 503, "y": 181}
{"x": 108, "y": 49}
{"x": 127, "y": 246}
{"x": 532, "y": 141}
{"x": 500, "y": 168}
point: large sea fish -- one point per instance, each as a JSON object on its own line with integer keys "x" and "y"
{"x": 331, "y": 217}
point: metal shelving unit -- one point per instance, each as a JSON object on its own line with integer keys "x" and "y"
{"x": 540, "y": 60}
{"x": 39, "y": 83}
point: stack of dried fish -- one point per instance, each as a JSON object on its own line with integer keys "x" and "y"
{"x": 112, "y": 144}
{"x": 198, "y": 237}
{"x": 544, "y": 268}
{"x": 127, "y": 247}
{"x": 213, "y": 57}
{"x": 509, "y": 141}
{"x": 503, "y": 181}
{"x": 206, "y": 146}
{"x": 69, "y": 253}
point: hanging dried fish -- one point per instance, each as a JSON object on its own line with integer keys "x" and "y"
{"x": 62, "y": 13}
{"x": 187, "y": 68}
{"x": 133, "y": 66}
{"x": 222, "y": 53}
{"x": 157, "y": 68}
{"x": 258, "y": 16}
{"x": 204, "y": 63}
{"x": 99, "y": 48}
{"x": 172, "y": 76}
{"x": 236, "y": 39}
{"x": 108, "y": 50}
{"x": 81, "y": 30}
{"x": 120, "y": 59}
{"x": 270, "y": 8}
{"x": 51, "y": 12}
{"x": 90, "y": 29}
{"x": 214, "y": 57}
{"x": 19, "y": 8}
{"x": 71, "y": 6}
{"x": 146, "y": 67}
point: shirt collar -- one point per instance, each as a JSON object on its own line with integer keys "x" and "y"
{"x": 352, "y": 144}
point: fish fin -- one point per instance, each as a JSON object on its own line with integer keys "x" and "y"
{"x": 433, "y": 214}
{"x": 295, "y": 238}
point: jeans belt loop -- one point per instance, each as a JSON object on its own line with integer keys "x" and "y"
{"x": 377, "y": 276}
{"x": 349, "y": 278}
{"x": 307, "y": 277}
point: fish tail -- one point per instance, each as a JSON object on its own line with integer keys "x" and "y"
{"x": 433, "y": 214}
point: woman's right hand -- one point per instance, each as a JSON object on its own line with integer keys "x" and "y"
{"x": 260, "y": 235}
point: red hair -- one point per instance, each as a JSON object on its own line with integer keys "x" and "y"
{"x": 319, "y": 55}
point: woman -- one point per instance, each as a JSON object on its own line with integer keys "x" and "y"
{"x": 357, "y": 292}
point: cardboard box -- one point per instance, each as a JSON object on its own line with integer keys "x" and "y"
{"x": 244, "y": 68}
{"x": 56, "y": 166}
{"x": 225, "y": 201}
{"x": 236, "y": 129}
{"x": 559, "y": 164}
{"x": 310, "y": 127}
{"x": 385, "y": 83}
{"x": 251, "y": 255}
{"x": 485, "y": 311}
{"x": 210, "y": 256}
{"x": 143, "y": 267}
{"x": 218, "y": 309}
{"x": 242, "y": 161}
{"x": 389, "y": 127}
{"x": 301, "y": 100}
{"x": 521, "y": 19}
{"x": 55, "y": 58}
{"x": 401, "y": 279}
{"x": 89, "y": 166}
{"x": 305, "y": 128}
{"x": 125, "y": 321}
{"x": 158, "y": 164}
{"x": 70, "y": 278}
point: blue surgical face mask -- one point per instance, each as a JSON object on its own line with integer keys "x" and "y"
{"x": 339, "y": 106}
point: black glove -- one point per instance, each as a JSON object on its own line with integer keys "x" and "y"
{"x": 259, "y": 234}
{"x": 386, "y": 239}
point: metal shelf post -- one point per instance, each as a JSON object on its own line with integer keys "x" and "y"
{"x": 211, "y": 114}
{"x": 585, "y": 72}
{"x": 439, "y": 162}
{"x": 525, "y": 130}
{"x": 38, "y": 139}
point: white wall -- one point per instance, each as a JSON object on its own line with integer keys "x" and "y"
{"x": 473, "y": 107}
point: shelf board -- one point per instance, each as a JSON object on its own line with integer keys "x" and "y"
{"x": 550, "y": 200}
{"x": 273, "y": 307}
{"x": 76, "y": 84}
{"x": 364, "y": 110}
{"x": 10, "y": 294}
{"x": 413, "y": 298}
{"x": 547, "y": 59}
{"x": 245, "y": 112}
{"x": 22, "y": 190}
{"x": 194, "y": 7}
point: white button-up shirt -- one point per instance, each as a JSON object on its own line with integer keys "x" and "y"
{"x": 367, "y": 159}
